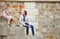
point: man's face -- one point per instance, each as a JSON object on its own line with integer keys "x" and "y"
{"x": 24, "y": 13}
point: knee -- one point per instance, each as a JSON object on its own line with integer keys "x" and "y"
{"x": 31, "y": 26}
{"x": 26, "y": 26}
{"x": 11, "y": 19}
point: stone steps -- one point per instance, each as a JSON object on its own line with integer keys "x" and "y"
{"x": 14, "y": 32}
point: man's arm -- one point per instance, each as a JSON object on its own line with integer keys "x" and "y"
{"x": 21, "y": 20}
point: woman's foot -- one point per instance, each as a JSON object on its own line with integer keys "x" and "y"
{"x": 10, "y": 25}
{"x": 17, "y": 25}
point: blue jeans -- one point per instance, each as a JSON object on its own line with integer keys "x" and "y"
{"x": 27, "y": 29}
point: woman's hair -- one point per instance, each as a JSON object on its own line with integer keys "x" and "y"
{"x": 7, "y": 4}
{"x": 25, "y": 12}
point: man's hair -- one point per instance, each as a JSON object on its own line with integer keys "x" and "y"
{"x": 25, "y": 12}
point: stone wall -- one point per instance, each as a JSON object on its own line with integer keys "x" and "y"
{"x": 49, "y": 20}
{"x": 30, "y": 0}
{"x": 46, "y": 18}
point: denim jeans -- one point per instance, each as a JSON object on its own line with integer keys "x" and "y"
{"x": 27, "y": 29}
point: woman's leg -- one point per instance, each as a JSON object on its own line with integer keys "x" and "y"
{"x": 11, "y": 20}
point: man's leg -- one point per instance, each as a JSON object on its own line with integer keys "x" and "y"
{"x": 32, "y": 28}
{"x": 27, "y": 28}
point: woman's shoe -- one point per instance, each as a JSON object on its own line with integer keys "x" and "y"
{"x": 17, "y": 25}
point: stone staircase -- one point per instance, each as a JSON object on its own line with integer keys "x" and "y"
{"x": 14, "y": 32}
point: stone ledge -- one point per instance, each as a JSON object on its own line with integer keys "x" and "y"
{"x": 34, "y": 0}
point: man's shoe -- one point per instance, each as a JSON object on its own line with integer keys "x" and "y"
{"x": 33, "y": 34}
{"x": 26, "y": 34}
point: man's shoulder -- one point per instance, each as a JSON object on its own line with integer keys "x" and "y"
{"x": 21, "y": 15}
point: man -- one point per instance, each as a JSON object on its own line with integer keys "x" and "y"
{"x": 24, "y": 20}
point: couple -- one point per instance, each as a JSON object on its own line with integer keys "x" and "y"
{"x": 23, "y": 19}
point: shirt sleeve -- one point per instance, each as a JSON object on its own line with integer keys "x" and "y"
{"x": 21, "y": 20}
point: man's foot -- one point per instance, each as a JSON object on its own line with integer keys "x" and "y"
{"x": 33, "y": 34}
{"x": 26, "y": 34}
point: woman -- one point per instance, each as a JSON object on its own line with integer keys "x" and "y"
{"x": 6, "y": 14}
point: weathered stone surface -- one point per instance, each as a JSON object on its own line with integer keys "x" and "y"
{"x": 30, "y": 0}
{"x": 47, "y": 21}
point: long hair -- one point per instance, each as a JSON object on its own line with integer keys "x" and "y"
{"x": 7, "y": 3}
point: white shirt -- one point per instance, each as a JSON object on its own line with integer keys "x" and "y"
{"x": 22, "y": 21}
